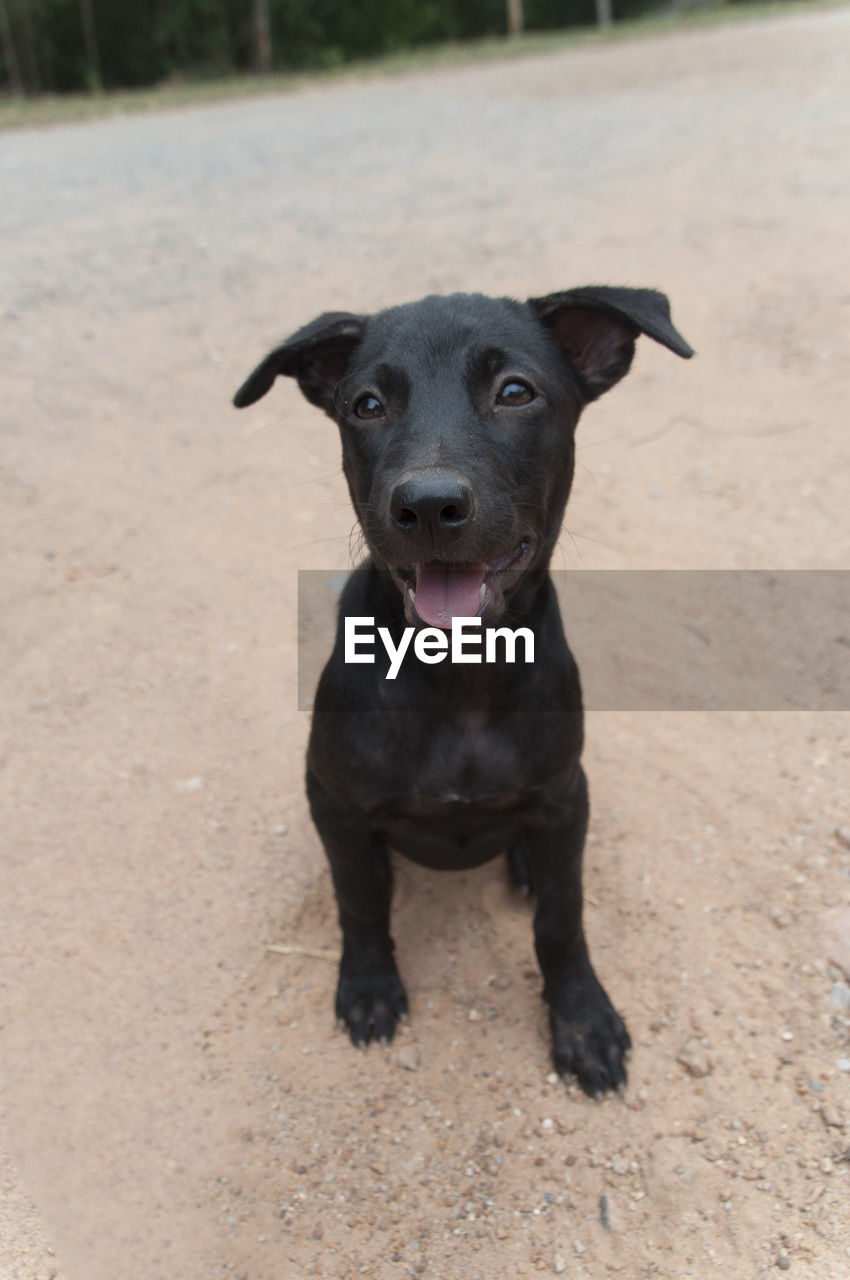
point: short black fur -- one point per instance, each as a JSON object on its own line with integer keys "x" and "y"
{"x": 457, "y": 417}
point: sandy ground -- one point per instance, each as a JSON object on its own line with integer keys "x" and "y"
{"x": 177, "y": 1101}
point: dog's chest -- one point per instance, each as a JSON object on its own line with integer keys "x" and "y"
{"x": 459, "y": 799}
{"x": 467, "y": 765}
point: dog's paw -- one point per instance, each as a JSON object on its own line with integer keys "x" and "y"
{"x": 371, "y": 1006}
{"x": 589, "y": 1038}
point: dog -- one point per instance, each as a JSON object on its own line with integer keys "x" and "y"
{"x": 457, "y": 416}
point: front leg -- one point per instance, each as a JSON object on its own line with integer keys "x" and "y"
{"x": 370, "y": 997}
{"x": 589, "y": 1038}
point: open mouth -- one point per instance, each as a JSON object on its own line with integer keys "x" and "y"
{"x": 436, "y": 591}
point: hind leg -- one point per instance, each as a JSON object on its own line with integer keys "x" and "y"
{"x": 518, "y": 867}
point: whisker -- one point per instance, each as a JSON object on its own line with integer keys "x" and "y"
{"x": 302, "y": 484}
{"x": 586, "y": 537}
{"x": 594, "y": 444}
{"x": 317, "y": 542}
{"x": 560, "y": 549}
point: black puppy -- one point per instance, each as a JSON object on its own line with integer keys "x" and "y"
{"x": 457, "y": 417}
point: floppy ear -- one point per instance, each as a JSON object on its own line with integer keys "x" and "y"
{"x": 596, "y": 328}
{"x": 317, "y": 355}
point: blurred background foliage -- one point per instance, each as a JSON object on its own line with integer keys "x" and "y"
{"x": 62, "y": 46}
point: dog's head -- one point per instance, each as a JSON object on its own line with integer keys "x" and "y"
{"x": 457, "y": 417}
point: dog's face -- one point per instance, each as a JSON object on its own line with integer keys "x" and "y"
{"x": 457, "y": 416}
{"x": 457, "y": 421}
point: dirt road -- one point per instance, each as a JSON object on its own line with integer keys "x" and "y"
{"x": 177, "y": 1100}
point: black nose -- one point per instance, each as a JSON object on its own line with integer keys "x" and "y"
{"x": 431, "y": 502}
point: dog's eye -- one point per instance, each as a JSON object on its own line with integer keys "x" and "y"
{"x": 515, "y": 392}
{"x": 368, "y": 406}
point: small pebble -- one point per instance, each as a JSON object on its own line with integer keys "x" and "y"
{"x": 831, "y": 1118}
{"x": 840, "y": 996}
{"x": 842, "y": 835}
{"x": 281, "y": 829}
{"x": 604, "y": 1215}
{"x": 693, "y": 1057}
{"x": 408, "y": 1057}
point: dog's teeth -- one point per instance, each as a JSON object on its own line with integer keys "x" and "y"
{"x": 411, "y": 595}
{"x": 482, "y": 593}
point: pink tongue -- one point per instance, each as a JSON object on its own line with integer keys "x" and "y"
{"x": 446, "y": 591}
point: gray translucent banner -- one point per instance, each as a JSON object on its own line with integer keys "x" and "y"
{"x": 669, "y": 640}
